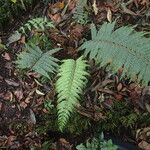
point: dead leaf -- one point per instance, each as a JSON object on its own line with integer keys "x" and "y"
{"x": 6, "y": 56}
{"x": 19, "y": 94}
{"x": 11, "y": 139}
{"x": 32, "y": 119}
{"x": 23, "y": 104}
{"x": 95, "y": 7}
{"x": 11, "y": 82}
{"x": 119, "y": 87}
{"x": 65, "y": 145}
{"x": 23, "y": 40}
{"x": 109, "y": 15}
{"x": 118, "y": 97}
{"x": 39, "y": 92}
{"x": 56, "y": 18}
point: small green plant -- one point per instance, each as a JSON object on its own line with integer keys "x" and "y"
{"x": 126, "y": 119}
{"x": 81, "y": 15}
{"x": 34, "y": 59}
{"x": 98, "y": 144}
{"x": 36, "y": 23}
{"x": 72, "y": 78}
{"x": 123, "y": 46}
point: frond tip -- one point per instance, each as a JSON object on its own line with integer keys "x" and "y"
{"x": 72, "y": 78}
{"x": 34, "y": 59}
{"x": 123, "y": 46}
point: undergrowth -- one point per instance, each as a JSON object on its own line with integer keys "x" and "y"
{"x": 108, "y": 46}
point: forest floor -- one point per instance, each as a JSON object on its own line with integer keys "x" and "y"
{"x": 25, "y": 119}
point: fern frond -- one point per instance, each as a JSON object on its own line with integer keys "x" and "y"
{"x": 34, "y": 59}
{"x": 80, "y": 15}
{"x": 36, "y": 23}
{"x": 72, "y": 78}
{"x": 123, "y": 46}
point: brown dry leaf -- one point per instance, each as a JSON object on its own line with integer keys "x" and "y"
{"x": 118, "y": 97}
{"x": 19, "y": 94}
{"x": 72, "y": 4}
{"x": 27, "y": 100}
{"x": 109, "y": 15}
{"x": 57, "y": 7}
{"x": 23, "y": 104}
{"x": 65, "y": 145}
{"x": 23, "y": 40}
{"x": 56, "y": 18}
{"x": 6, "y": 56}
{"x": 143, "y": 136}
{"x": 119, "y": 87}
{"x": 8, "y": 96}
{"x": 11, "y": 139}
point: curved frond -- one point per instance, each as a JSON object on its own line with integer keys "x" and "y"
{"x": 34, "y": 59}
{"x": 123, "y": 46}
{"x": 72, "y": 78}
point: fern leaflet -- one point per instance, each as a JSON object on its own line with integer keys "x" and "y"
{"x": 80, "y": 15}
{"x": 35, "y": 59}
{"x": 72, "y": 78}
{"x": 36, "y": 23}
{"x": 119, "y": 47}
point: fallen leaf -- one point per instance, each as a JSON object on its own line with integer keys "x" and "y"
{"x": 23, "y": 104}
{"x": 11, "y": 139}
{"x": 95, "y": 7}
{"x": 56, "y": 18}
{"x": 6, "y": 56}
{"x": 109, "y": 15}
{"x": 32, "y": 117}
{"x": 39, "y": 92}
{"x": 118, "y": 97}
{"x": 119, "y": 87}
{"x": 19, "y": 94}
{"x": 11, "y": 82}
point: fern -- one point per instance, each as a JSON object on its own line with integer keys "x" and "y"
{"x": 98, "y": 143}
{"x": 72, "y": 79}
{"x": 80, "y": 15}
{"x": 35, "y": 59}
{"x": 36, "y": 23}
{"x": 119, "y": 47}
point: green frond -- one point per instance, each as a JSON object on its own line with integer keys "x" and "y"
{"x": 36, "y": 23}
{"x": 123, "y": 46}
{"x": 72, "y": 78}
{"x": 34, "y": 59}
{"x": 81, "y": 15}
